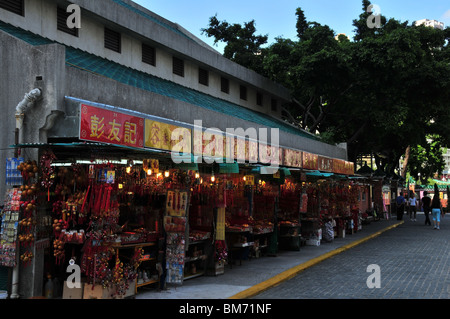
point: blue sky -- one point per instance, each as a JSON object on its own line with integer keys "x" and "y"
{"x": 277, "y": 18}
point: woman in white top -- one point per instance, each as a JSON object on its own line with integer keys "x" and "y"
{"x": 412, "y": 206}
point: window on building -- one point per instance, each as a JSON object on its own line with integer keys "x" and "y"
{"x": 274, "y": 105}
{"x": 203, "y": 76}
{"x": 148, "y": 54}
{"x": 225, "y": 85}
{"x": 178, "y": 66}
{"x": 15, "y": 6}
{"x": 113, "y": 40}
{"x": 259, "y": 99}
{"x": 61, "y": 18}
{"x": 243, "y": 92}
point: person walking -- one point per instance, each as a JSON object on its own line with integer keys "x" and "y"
{"x": 436, "y": 210}
{"x": 400, "y": 201}
{"x": 426, "y": 204}
{"x": 412, "y": 201}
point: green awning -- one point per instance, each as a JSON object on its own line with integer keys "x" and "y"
{"x": 269, "y": 170}
{"x": 225, "y": 168}
{"x": 319, "y": 174}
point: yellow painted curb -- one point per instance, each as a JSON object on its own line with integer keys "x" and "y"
{"x": 290, "y": 273}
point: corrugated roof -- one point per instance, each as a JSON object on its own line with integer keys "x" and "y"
{"x": 89, "y": 62}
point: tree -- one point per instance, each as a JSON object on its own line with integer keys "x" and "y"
{"x": 383, "y": 93}
{"x": 302, "y": 24}
{"x": 427, "y": 160}
{"x": 242, "y": 45}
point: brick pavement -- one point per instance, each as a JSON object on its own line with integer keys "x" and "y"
{"x": 242, "y": 281}
{"x": 414, "y": 263}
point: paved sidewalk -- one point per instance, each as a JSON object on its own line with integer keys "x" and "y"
{"x": 413, "y": 262}
{"x": 256, "y": 275}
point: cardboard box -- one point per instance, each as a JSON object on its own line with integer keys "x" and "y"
{"x": 101, "y": 293}
{"x": 72, "y": 293}
{"x": 319, "y": 234}
{"x": 131, "y": 289}
{"x": 96, "y": 292}
{"x": 313, "y": 242}
{"x": 219, "y": 268}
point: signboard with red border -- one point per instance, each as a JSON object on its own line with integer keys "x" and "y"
{"x": 107, "y": 126}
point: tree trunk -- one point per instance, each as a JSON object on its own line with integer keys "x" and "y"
{"x": 405, "y": 163}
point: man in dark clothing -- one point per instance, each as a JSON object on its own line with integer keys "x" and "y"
{"x": 400, "y": 201}
{"x": 426, "y": 202}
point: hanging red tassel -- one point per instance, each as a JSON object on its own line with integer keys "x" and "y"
{"x": 85, "y": 198}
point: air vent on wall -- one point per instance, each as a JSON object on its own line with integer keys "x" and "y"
{"x": 225, "y": 85}
{"x": 203, "y": 76}
{"x": 178, "y": 66}
{"x": 112, "y": 40}
{"x": 148, "y": 54}
{"x": 15, "y": 6}
{"x": 62, "y": 16}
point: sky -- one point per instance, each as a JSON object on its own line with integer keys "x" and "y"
{"x": 276, "y": 18}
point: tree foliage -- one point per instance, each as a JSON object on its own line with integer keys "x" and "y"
{"x": 382, "y": 93}
{"x": 242, "y": 45}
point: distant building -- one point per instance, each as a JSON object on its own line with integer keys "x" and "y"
{"x": 431, "y": 23}
{"x": 337, "y": 36}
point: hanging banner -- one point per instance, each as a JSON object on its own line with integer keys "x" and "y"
{"x": 106, "y": 126}
{"x": 220, "y": 224}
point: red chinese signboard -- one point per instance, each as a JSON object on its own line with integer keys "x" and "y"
{"x": 106, "y": 126}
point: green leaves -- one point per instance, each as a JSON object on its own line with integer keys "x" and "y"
{"x": 386, "y": 90}
{"x": 242, "y": 45}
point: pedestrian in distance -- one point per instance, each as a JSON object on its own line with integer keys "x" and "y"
{"x": 426, "y": 204}
{"x": 412, "y": 201}
{"x": 400, "y": 201}
{"x": 436, "y": 211}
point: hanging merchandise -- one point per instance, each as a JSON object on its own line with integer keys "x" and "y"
{"x": 14, "y": 175}
{"x": 27, "y": 230}
{"x": 47, "y": 171}
{"x": 304, "y": 202}
{"x": 10, "y": 227}
{"x": 175, "y": 225}
{"x": 175, "y": 254}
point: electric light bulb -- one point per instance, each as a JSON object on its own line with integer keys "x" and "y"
{"x": 166, "y": 173}
{"x": 149, "y": 172}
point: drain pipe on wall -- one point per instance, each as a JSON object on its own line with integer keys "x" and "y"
{"x": 23, "y": 105}
{"x": 28, "y": 101}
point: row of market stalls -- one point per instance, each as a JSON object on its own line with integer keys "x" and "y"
{"x": 131, "y": 213}
{"x": 386, "y": 187}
